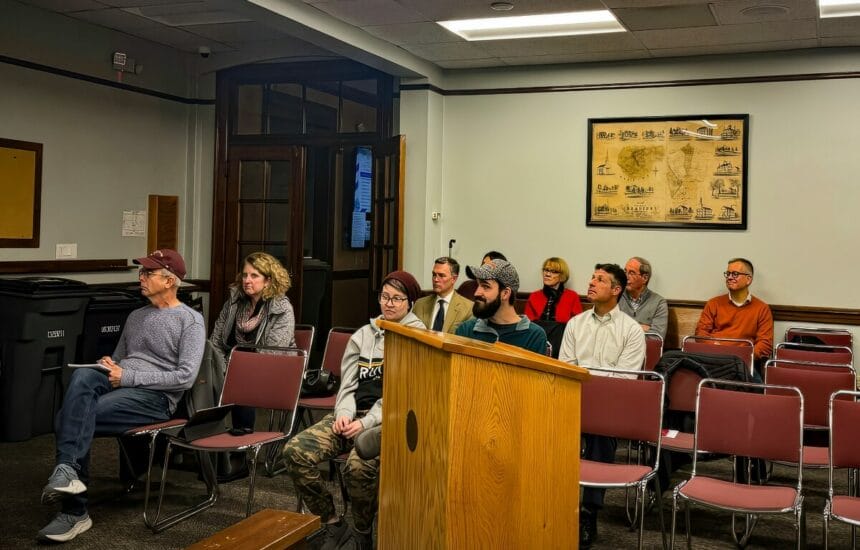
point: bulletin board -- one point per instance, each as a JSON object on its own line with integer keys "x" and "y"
{"x": 20, "y": 193}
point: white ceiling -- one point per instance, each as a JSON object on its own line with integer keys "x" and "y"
{"x": 655, "y": 28}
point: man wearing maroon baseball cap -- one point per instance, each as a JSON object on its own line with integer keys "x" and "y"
{"x": 156, "y": 360}
{"x": 165, "y": 258}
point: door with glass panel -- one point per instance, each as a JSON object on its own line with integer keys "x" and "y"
{"x": 263, "y": 211}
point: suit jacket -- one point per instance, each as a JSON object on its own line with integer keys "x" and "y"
{"x": 459, "y": 309}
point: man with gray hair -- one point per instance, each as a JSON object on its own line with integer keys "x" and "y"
{"x": 496, "y": 320}
{"x": 648, "y": 308}
{"x": 155, "y": 361}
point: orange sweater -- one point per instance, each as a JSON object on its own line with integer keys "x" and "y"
{"x": 753, "y": 321}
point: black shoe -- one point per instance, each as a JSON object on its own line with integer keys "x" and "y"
{"x": 335, "y": 534}
{"x": 587, "y": 528}
{"x": 358, "y": 541}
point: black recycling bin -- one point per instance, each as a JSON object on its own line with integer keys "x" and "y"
{"x": 41, "y": 319}
{"x": 105, "y": 318}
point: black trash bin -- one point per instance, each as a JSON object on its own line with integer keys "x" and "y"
{"x": 41, "y": 319}
{"x": 106, "y": 315}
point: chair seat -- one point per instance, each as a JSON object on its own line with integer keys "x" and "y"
{"x": 609, "y": 474}
{"x": 739, "y": 496}
{"x": 318, "y": 402}
{"x": 226, "y": 441}
{"x": 816, "y": 456}
{"x": 846, "y": 508}
{"x": 149, "y": 428}
{"x": 682, "y": 443}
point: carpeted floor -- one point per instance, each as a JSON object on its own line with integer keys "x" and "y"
{"x": 117, "y": 522}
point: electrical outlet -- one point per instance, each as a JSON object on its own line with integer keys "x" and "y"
{"x": 67, "y": 251}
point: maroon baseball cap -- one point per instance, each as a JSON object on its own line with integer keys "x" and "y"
{"x": 165, "y": 258}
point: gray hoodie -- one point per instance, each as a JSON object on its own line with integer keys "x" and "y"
{"x": 364, "y": 350}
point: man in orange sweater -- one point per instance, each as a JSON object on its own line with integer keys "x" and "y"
{"x": 739, "y": 314}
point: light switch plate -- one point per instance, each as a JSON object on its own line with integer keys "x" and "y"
{"x": 67, "y": 251}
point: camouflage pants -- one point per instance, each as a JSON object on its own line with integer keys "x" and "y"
{"x": 317, "y": 444}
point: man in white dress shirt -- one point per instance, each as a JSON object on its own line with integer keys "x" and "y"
{"x": 603, "y": 337}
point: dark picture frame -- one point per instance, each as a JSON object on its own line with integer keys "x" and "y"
{"x": 21, "y": 189}
{"x": 687, "y": 171}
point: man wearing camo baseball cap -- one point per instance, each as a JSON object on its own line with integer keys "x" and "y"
{"x": 496, "y": 320}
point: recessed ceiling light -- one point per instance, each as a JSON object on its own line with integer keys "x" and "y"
{"x": 764, "y": 10}
{"x": 501, "y": 6}
{"x": 532, "y": 26}
{"x": 838, "y": 8}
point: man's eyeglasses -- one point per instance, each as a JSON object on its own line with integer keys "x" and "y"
{"x": 551, "y": 271}
{"x": 632, "y": 273}
{"x": 735, "y": 274}
{"x": 396, "y": 300}
{"x": 148, "y": 273}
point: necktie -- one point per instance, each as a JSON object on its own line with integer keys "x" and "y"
{"x": 439, "y": 321}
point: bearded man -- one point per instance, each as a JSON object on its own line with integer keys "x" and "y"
{"x": 496, "y": 320}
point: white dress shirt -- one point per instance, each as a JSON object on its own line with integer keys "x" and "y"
{"x": 614, "y": 341}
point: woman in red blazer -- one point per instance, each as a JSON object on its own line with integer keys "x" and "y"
{"x": 553, "y": 302}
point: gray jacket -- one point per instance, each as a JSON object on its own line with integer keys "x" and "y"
{"x": 653, "y": 310}
{"x": 367, "y": 342}
{"x": 276, "y": 329}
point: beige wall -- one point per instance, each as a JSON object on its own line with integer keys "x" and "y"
{"x": 511, "y": 175}
{"x": 105, "y": 149}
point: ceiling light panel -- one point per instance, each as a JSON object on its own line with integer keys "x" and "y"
{"x": 532, "y": 26}
{"x": 839, "y": 8}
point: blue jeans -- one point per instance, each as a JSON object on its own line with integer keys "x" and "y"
{"x": 93, "y": 407}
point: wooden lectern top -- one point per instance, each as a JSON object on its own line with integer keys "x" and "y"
{"x": 501, "y": 352}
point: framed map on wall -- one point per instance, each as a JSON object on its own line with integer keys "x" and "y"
{"x": 678, "y": 172}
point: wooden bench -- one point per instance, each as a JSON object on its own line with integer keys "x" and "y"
{"x": 267, "y": 529}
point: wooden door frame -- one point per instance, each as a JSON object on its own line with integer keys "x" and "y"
{"x": 225, "y": 249}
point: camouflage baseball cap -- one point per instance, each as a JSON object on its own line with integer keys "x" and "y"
{"x": 500, "y": 271}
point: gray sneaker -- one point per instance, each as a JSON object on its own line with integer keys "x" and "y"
{"x": 62, "y": 483}
{"x": 335, "y": 534}
{"x": 65, "y": 527}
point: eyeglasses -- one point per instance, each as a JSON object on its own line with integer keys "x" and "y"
{"x": 148, "y": 273}
{"x": 735, "y": 274}
{"x": 396, "y": 300}
{"x": 632, "y": 273}
{"x": 551, "y": 271}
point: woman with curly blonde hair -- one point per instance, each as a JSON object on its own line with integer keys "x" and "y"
{"x": 257, "y": 312}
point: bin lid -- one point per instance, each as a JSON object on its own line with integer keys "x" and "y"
{"x": 42, "y": 286}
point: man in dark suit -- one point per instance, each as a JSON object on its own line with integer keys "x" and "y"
{"x": 444, "y": 310}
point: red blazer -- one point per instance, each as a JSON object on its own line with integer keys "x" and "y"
{"x": 568, "y": 305}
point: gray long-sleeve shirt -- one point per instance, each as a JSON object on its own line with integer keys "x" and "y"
{"x": 161, "y": 349}
{"x": 653, "y": 310}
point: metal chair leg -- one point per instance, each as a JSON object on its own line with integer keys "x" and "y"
{"x": 209, "y": 477}
{"x": 687, "y": 520}
{"x": 659, "y": 505}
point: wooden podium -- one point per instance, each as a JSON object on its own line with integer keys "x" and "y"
{"x": 480, "y": 445}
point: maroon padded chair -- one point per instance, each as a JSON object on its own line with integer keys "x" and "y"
{"x": 742, "y": 423}
{"x": 830, "y": 336}
{"x": 653, "y": 350}
{"x": 271, "y": 380}
{"x": 745, "y": 349}
{"x": 304, "y": 336}
{"x": 816, "y": 382}
{"x": 682, "y": 397}
{"x": 626, "y": 408}
{"x": 335, "y": 347}
{"x": 844, "y": 454}
{"x": 834, "y": 355}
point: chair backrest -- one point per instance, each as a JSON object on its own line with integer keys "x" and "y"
{"x": 270, "y": 380}
{"x": 629, "y": 408}
{"x": 744, "y": 349}
{"x": 682, "y": 390}
{"x": 830, "y": 336}
{"x": 653, "y": 350}
{"x": 765, "y": 425}
{"x": 335, "y": 346}
{"x": 815, "y": 382}
{"x": 304, "y": 335}
{"x": 836, "y": 355}
{"x": 844, "y": 419}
